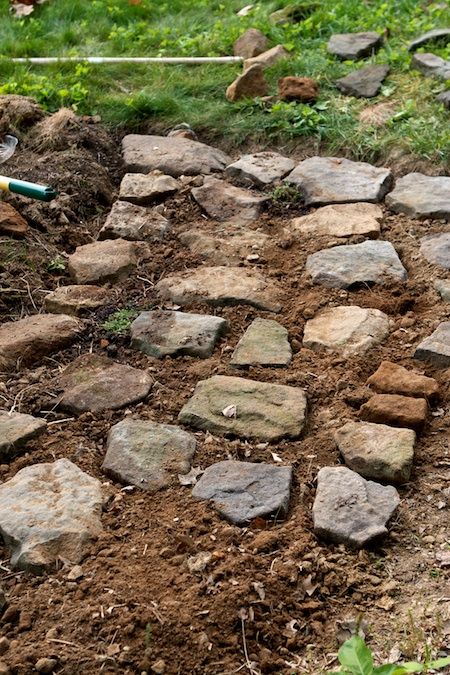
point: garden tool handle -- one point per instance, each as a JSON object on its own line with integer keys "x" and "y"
{"x": 23, "y": 187}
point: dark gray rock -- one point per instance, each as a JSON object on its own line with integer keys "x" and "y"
{"x": 350, "y": 46}
{"x": 431, "y": 65}
{"x": 223, "y": 201}
{"x": 349, "y": 509}
{"x": 264, "y": 343}
{"x": 421, "y": 196}
{"x": 147, "y": 454}
{"x": 373, "y": 262}
{"x": 435, "y": 35}
{"x": 164, "y": 333}
{"x": 134, "y": 223}
{"x": 365, "y": 82}
{"x": 436, "y": 249}
{"x": 260, "y": 169}
{"x": 16, "y": 430}
{"x": 444, "y": 98}
{"x": 435, "y": 349}
{"x": 242, "y": 491}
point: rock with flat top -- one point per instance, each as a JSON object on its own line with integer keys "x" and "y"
{"x": 390, "y": 378}
{"x": 396, "y": 410}
{"x": 268, "y": 58}
{"x": 223, "y": 201}
{"x": 436, "y": 249}
{"x": 435, "y": 349}
{"x": 421, "y": 196}
{"x": 260, "y": 169}
{"x": 436, "y": 35}
{"x": 365, "y": 82}
{"x": 250, "y": 44}
{"x": 16, "y": 429}
{"x": 147, "y": 188}
{"x": 134, "y": 223}
{"x": 341, "y": 220}
{"x": 431, "y": 65}
{"x": 76, "y": 300}
{"x": 352, "y": 46}
{"x": 11, "y": 222}
{"x": 229, "y": 244}
{"x": 104, "y": 261}
{"x": 250, "y": 84}
{"x": 264, "y": 343}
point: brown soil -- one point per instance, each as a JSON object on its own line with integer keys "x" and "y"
{"x": 271, "y": 591}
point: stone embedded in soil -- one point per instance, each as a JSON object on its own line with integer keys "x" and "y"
{"x": 351, "y": 46}
{"x": 76, "y": 300}
{"x": 348, "y": 330}
{"x": 391, "y": 378}
{"x": 112, "y": 260}
{"x": 395, "y": 410}
{"x": 268, "y": 58}
{"x": 243, "y": 491}
{"x": 219, "y": 286}
{"x": 341, "y": 220}
{"x": 16, "y": 430}
{"x": 250, "y": 84}
{"x": 334, "y": 180}
{"x": 444, "y": 98}
{"x": 431, "y": 65}
{"x": 27, "y": 340}
{"x": 250, "y": 44}
{"x": 94, "y": 383}
{"x": 11, "y": 222}
{"x": 436, "y": 249}
{"x": 48, "y": 513}
{"x": 143, "y": 189}
{"x": 147, "y": 454}
{"x": 349, "y": 509}
{"x": 372, "y": 262}
{"x": 229, "y": 244}
{"x": 435, "y": 35}
{"x": 421, "y": 196}
{"x": 293, "y": 88}
{"x": 377, "y": 451}
{"x": 443, "y": 288}
{"x": 260, "y": 169}
{"x": 172, "y": 155}
{"x": 164, "y": 333}
{"x": 264, "y": 411}
{"x": 435, "y": 349}
{"x": 223, "y": 201}
{"x": 134, "y": 223}
{"x": 365, "y": 82}
{"x": 264, "y": 343}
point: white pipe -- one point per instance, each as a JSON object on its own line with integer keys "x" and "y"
{"x": 130, "y": 59}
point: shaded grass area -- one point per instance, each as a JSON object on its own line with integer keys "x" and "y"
{"x": 158, "y": 97}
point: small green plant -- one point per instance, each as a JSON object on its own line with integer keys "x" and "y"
{"x": 285, "y": 193}
{"x": 356, "y": 658}
{"x": 120, "y": 322}
{"x": 56, "y": 264}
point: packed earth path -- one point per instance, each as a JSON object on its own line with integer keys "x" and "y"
{"x": 224, "y": 437}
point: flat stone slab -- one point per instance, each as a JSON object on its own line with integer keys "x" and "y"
{"x": 348, "y": 330}
{"x": 443, "y": 288}
{"x": 264, "y": 343}
{"x": 396, "y": 410}
{"x": 372, "y": 262}
{"x": 351, "y": 46}
{"x": 243, "y": 491}
{"x": 252, "y": 409}
{"x": 218, "y": 286}
{"x": 104, "y": 261}
{"x": 226, "y": 245}
{"x": 421, "y": 196}
{"x": 435, "y": 35}
{"x": 146, "y": 188}
{"x": 249, "y": 84}
{"x": 341, "y": 220}
{"x": 164, "y": 333}
{"x": 349, "y": 509}
{"x": 76, "y": 300}
{"x": 16, "y": 430}
{"x": 147, "y": 454}
{"x": 134, "y": 223}
{"x": 27, "y": 340}
{"x": 48, "y": 513}
{"x": 390, "y": 378}
{"x": 268, "y": 58}
{"x": 172, "y": 155}
{"x": 334, "y": 180}
{"x": 431, "y": 65}
{"x": 365, "y": 82}
{"x": 435, "y": 349}
{"x": 377, "y": 451}
{"x": 223, "y": 201}
{"x": 94, "y": 383}
{"x": 436, "y": 249}
{"x": 260, "y": 169}
{"x": 11, "y": 222}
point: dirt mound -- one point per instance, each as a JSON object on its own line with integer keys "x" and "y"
{"x": 18, "y": 113}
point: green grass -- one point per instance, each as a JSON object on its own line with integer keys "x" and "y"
{"x": 158, "y": 97}
{"x": 119, "y": 323}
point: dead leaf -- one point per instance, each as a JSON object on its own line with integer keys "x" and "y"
{"x": 112, "y": 650}
{"x": 259, "y": 588}
{"x": 443, "y": 558}
{"x": 308, "y": 585}
{"x": 198, "y": 563}
{"x": 275, "y": 457}
{"x": 245, "y": 10}
{"x": 229, "y": 411}
{"x": 290, "y": 629}
{"x": 191, "y": 477}
{"x": 385, "y": 603}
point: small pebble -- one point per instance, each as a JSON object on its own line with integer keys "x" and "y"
{"x": 45, "y": 665}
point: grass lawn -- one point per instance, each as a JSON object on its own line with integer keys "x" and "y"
{"x": 158, "y": 97}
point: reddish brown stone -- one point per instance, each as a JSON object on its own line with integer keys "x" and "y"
{"x": 250, "y": 44}
{"x": 298, "y": 89}
{"x": 393, "y": 379}
{"x": 248, "y": 85}
{"x": 397, "y": 411}
{"x": 11, "y": 222}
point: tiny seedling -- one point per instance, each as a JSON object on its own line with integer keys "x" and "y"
{"x": 119, "y": 323}
{"x": 56, "y": 264}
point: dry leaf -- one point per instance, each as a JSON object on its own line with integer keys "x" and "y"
{"x": 259, "y": 588}
{"x": 275, "y": 457}
{"x": 229, "y": 411}
{"x": 191, "y": 477}
{"x": 198, "y": 563}
{"x": 308, "y": 585}
{"x": 245, "y": 10}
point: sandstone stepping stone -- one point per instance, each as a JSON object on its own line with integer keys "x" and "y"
{"x": 253, "y": 409}
{"x": 372, "y": 262}
{"x": 396, "y": 410}
{"x": 377, "y": 451}
{"x": 164, "y": 333}
{"x": 349, "y": 509}
{"x": 223, "y": 201}
{"x": 218, "y": 286}
{"x": 49, "y": 512}
{"x": 250, "y": 84}
{"x": 436, "y": 347}
{"x": 134, "y": 223}
{"x": 264, "y": 343}
{"x": 431, "y": 65}
{"x": 268, "y": 58}
{"x": 435, "y": 35}
{"x": 143, "y": 189}
{"x": 103, "y": 261}
{"x": 443, "y": 288}
{"x": 25, "y": 341}
{"x": 94, "y": 383}
{"x": 348, "y": 330}
{"x": 333, "y": 180}
{"x": 436, "y": 249}
{"x": 350, "y": 46}
{"x": 11, "y": 222}
{"x": 391, "y": 378}
{"x": 341, "y": 220}
{"x": 147, "y": 454}
{"x": 243, "y": 491}
{"x": 172, "y": 155}
{"x": 365, "y": 82}
{"x": 227, "y": 245}
{"x": 251, "y": 43}
{"x": 421, "y": 196}
{"x": 76, "y": 300}
{"x": 293, "y": 88}
{"x": 16, "y": 430}
{"x": 444, "y": 98}
{"x": 260, "y": 169}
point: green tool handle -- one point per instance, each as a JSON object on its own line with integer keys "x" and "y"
{"x": 23, "y": 187}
